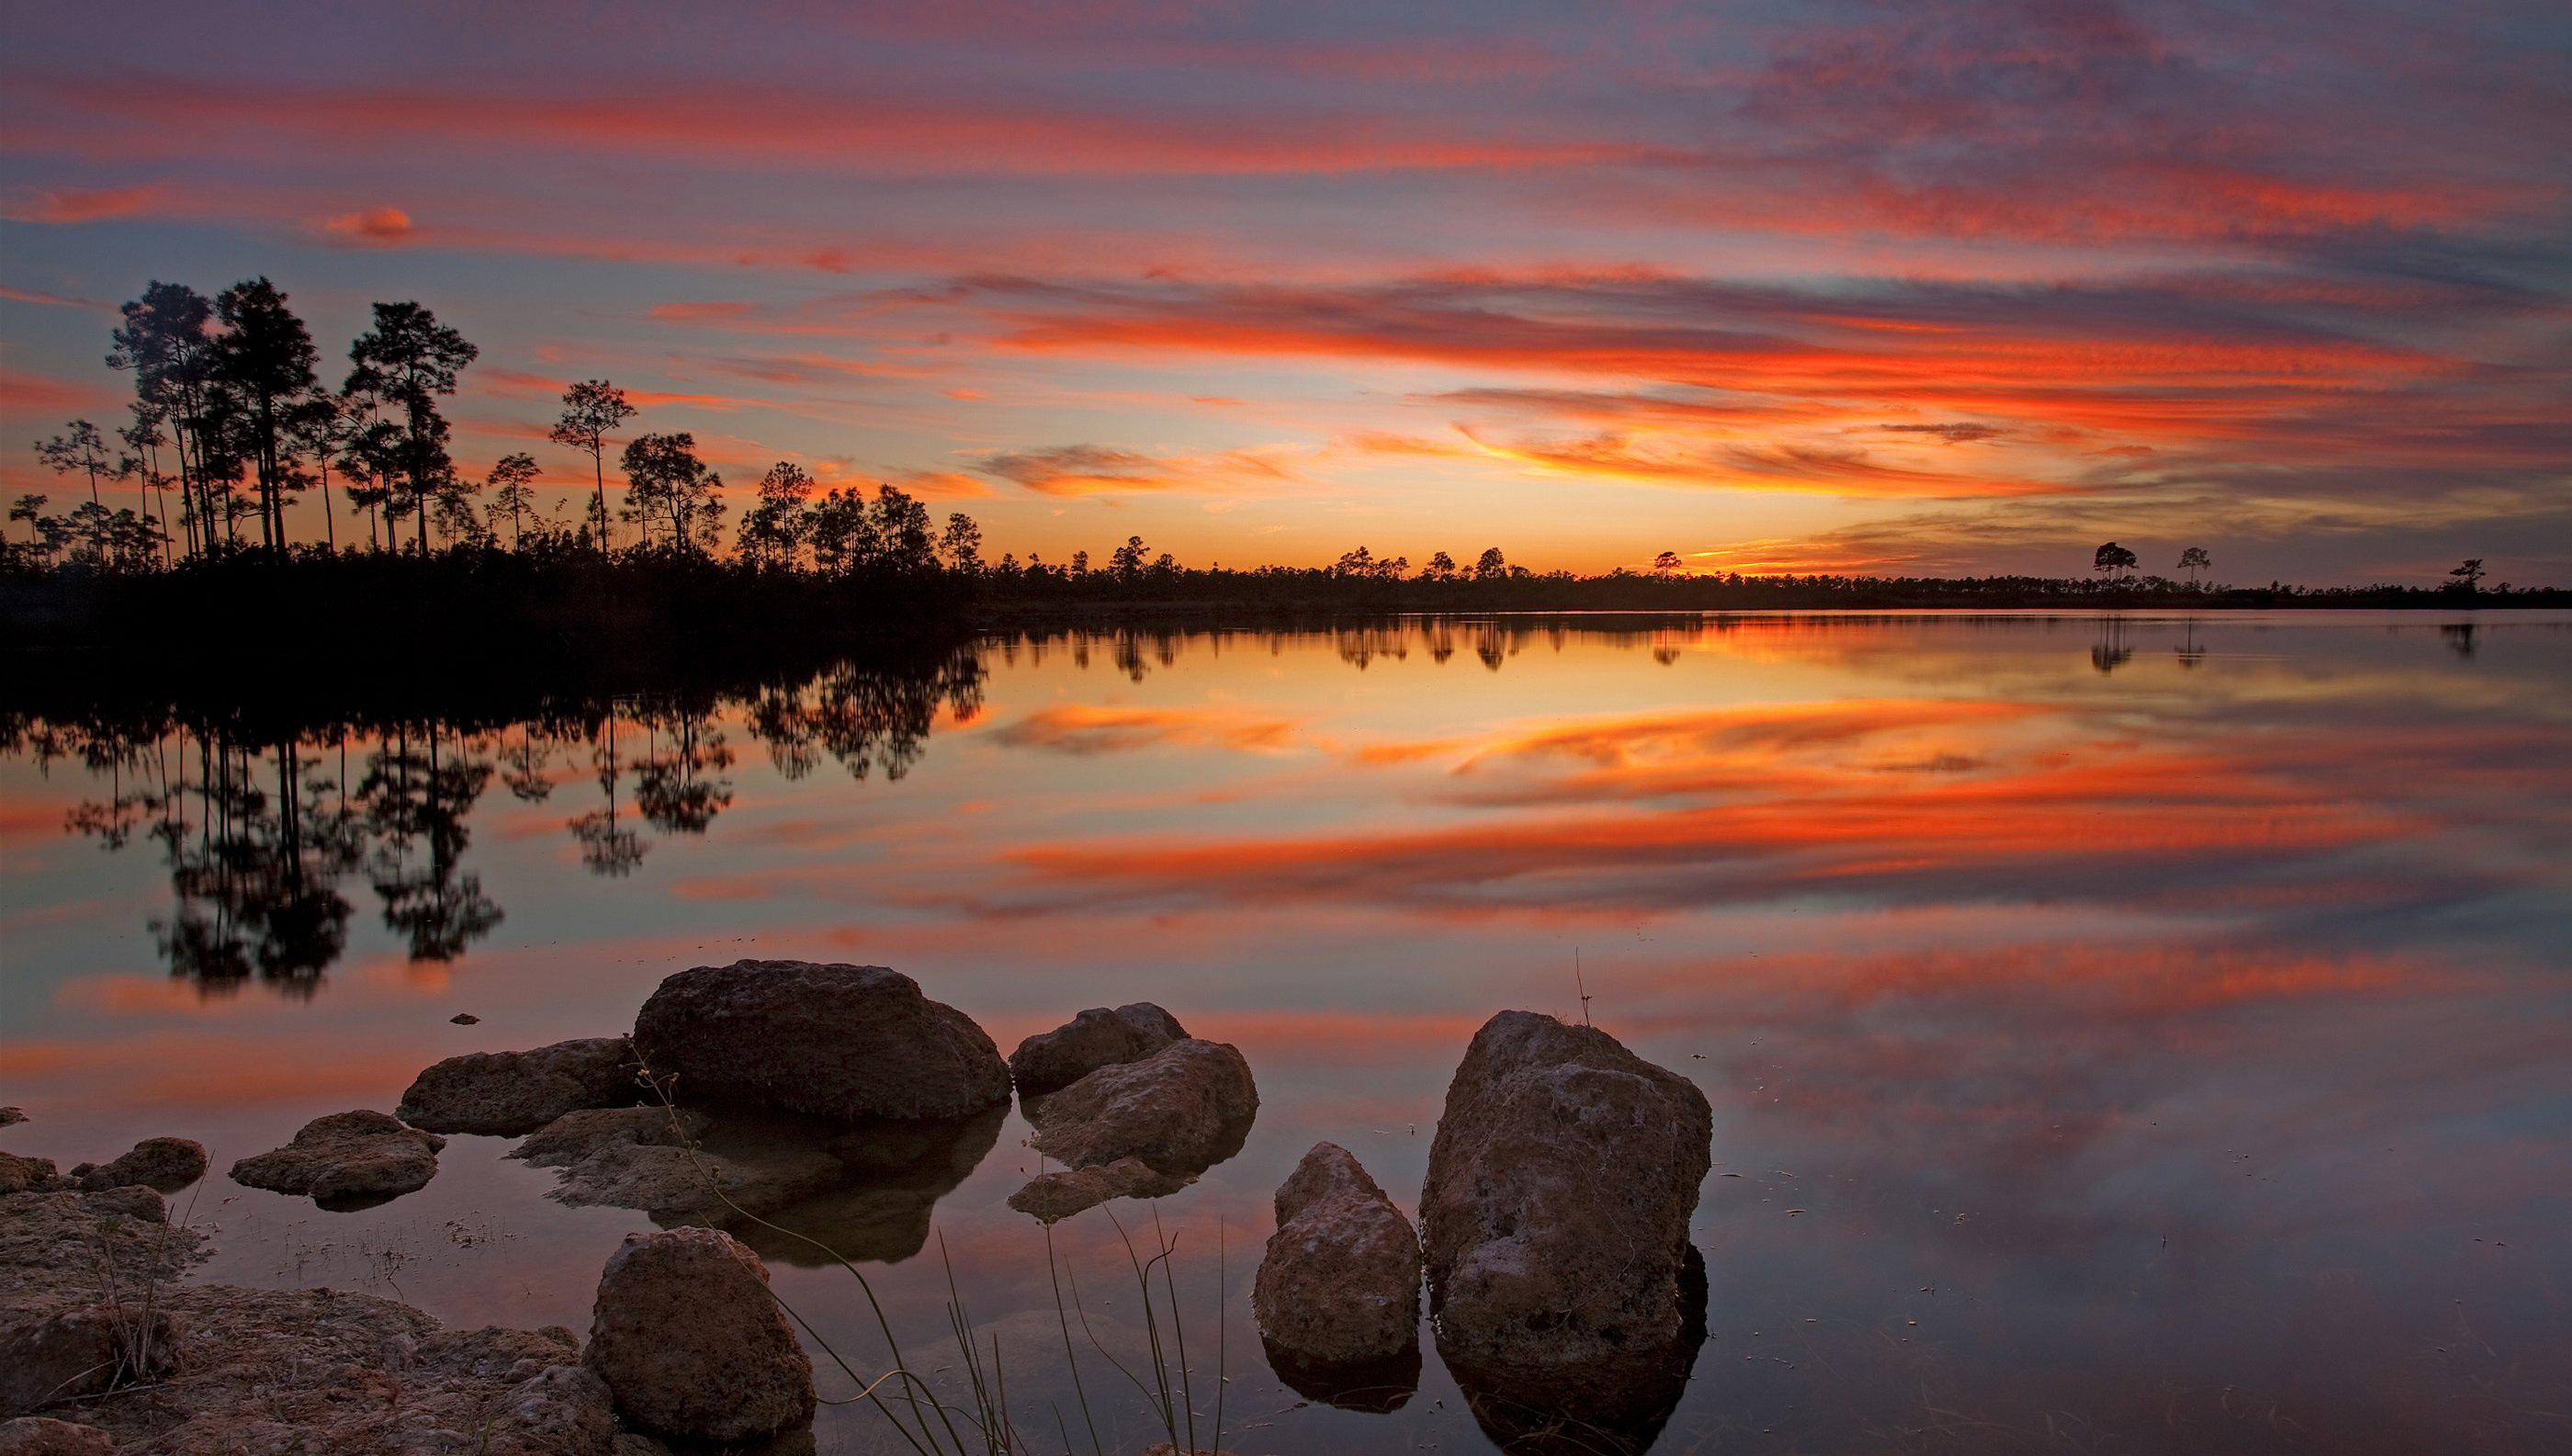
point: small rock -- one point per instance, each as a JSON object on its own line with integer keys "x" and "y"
{"x": 465, "y": 1019}
{"x": 12, "y": 1117}
{"x": 1055, "y": 1196}
{"x": 1182, "y": 1110}
{"x": 83, "y": 1352}
{"x": 508, "y": 1094}
{"x": 44, "y": 1436}
{"x": 1094, "y": 1038}
{"x": 692, "y": 1345}
{"x": 1340, "y": 1284}
{"x": 29, "y": 1174}
{"x": 347, "y": 1160}
{"x": 844, "y": 1042}
{"x": 164, "y": 1163}
{"x": 567, "y": 1139}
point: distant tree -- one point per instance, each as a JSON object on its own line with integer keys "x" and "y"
{"x": 774, "y": 530}
{"x": 166, "y": 340}
{"x": 264, "y": 359}
{"x": 665, "y": 481}
{"x": 371, "y": 455}
{"x": 83, "y": 450}
{"x": 1490, "y": 564}
{"x": 2112, "y": 558}
{"x": 2192, "y": 560}
{"x": 903, "y": 540}
{"x": 46, "y": 534}
{"x": 512, "y": 480}
{"x": 144, "y": 437}
{"x": 1666, "y": 564}
{"x": 2470, "y": 574}
{"x": 842, "y": 536}
{"x": 592, "y": 410}
{"x": 1441, "y": 567}
{"x": 322, "y": 427}
{"x": 1127, "y": 561}
{"x": 1360, "y": 562}
{"x": 1080, "y": 563}
{"x": 408, "y": 360}
{"x": 962, "y": 546}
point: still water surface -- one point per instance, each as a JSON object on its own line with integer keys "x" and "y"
{"x": 2136, "y": 1035}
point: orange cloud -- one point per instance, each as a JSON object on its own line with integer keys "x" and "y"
{"x": 379, "y": 227}
{"x": 92, "y": 205}
{"x": 1081, "y": 728}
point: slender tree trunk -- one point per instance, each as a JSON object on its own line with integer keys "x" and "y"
{"x": 598, "y": 469}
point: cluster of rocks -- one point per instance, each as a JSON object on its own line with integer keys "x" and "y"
{"x": 1565, "y": 1295}
{"x": 1130, "y": 1105}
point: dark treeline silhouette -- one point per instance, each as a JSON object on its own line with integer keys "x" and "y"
{"x": 274, "y": 818}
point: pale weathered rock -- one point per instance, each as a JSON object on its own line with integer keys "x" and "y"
{"x": 346, "y": 1160}
{"x": 690, "y": 1343}
{"x": 842, "y": 1042}
{"x": 1094, "y": 1038}
{"x": 1556, "y": 1226}
{"x": 567, "y": 1139}
{"x": 1340, "y": 1284}
{"x": 29, "y": 1174}
{"x": 83, "y": 1352}
{"x": 45, "y": 1436}
{"x": 164, "y": 1163}
{"x": 506, "y": 1094}
{"x": 1182, "y": 1110}
{"x": 1055, "y": 1196}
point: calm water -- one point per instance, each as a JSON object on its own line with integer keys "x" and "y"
{"x": 2124, "y": 1035}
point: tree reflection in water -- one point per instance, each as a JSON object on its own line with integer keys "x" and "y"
{"x": 260, "y": 823}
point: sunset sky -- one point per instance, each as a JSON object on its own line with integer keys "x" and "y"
{"x": 1926, "y": 287}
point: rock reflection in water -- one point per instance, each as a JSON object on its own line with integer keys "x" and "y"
{"x": 1615, "y": 1405}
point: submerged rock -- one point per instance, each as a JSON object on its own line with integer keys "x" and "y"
{"x": 1338, "y": 1292}
{"x": 45, "y": 1436}
{"x": 690, "y": 1343}
{"x": 1055, "y": 1196}
{"x": 507, "y": 1094}
{"x": 1555, "y": 1228}
{"x": 1094, "y": 1038}
{"x": 1182, "y": 1109}
{"x": 850, "y": 1042}
{"x": 347, "y": 1160}
{"x": 567, "y": 1139}
{"x": 163, "y": 1163}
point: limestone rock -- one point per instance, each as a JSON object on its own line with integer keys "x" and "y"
{"x": 507, "y": 1094}
{"x": 1055, "y": 1196}
{"x": 83, "y": 1351}
{"x": 164, "y": 1163}
{"x": 347, "y": 1160}
{"x": 1094, "y": 1038}
{"x": 1340, "y": 1284}
{"x": 1556, "y": 1226}
{"x": 691, "y": 1345}
{"x": 44, "y": 1436}
{"x": 1182, "y": 1109}
{"x": 842, "y": 1042}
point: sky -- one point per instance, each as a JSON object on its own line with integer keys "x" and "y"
{"x": 1931, "y": 287}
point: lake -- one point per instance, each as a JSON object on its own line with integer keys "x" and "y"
{"x": 2123, "y": 1035}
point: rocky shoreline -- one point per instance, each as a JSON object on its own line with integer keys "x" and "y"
{"x": 841, "y": 1102}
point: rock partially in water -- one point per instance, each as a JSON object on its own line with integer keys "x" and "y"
{"x": 1555, "y": 1223}
{"x": 850, "y": 1043}
{"x": 508, "y": 1094}
{"x": 567, "y": 1139}
{"x": 1338, "y": 1292}
{"x": 83, "y": 1351}
{"x": 1182, "y": 1109}
{"x": 1055, "y": 1196}
{"x": 1094, "y": 1038}
{"x": 12, "y": 1117}
{"x": 691, "y": 1345}
{"x": 347, "y": 1160}
{"x": 465, "y": 1019}
{"x": 45, "y": 1436}
{"x": 29, "y": 1174}
{"x": 893, "y": 1175}
{"x": 166, "y": 1165}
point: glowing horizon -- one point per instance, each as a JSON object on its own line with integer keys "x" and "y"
{"x": 1925, "y": 289}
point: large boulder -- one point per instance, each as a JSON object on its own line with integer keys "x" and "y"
{"x": 1338, "y": 1292}
{"x": 842, "y": 1041}
{"x": 508, "y": 1094}
{"x": 164, "y": 1163}
{"x": 347, "y": 1160}
{"x": 692, "y": 1345}
{"x": 1094, "y": 1038}
{"x": 1182, "y": 1109}
{"x": 1556, "y": 1227}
